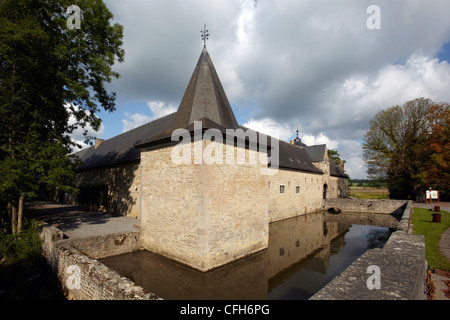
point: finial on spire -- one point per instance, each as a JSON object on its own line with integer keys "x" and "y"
{"x": 297, "y": 129}
{"x": 205, "y": 35}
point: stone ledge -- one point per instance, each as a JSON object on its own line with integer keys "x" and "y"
{"x": 384, "y": 206}
{"x": 402, "y": 266}
{"x": 95, "y": 280}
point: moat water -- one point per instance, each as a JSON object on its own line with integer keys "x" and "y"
{"x": 304, "y": 254}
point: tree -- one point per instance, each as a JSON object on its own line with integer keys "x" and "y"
{"x": 393, "y": 147}
{"x": 48, "y": 73}
{"x": 334, "y": 156}
{"x": 435, "y": 152}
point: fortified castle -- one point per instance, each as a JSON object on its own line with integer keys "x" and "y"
{"x": 206, "y": 213}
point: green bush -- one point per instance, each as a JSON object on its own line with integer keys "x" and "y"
{"x": 25, "y": 246}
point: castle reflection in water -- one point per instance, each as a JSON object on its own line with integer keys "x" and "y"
{"x": 304, "y": 254}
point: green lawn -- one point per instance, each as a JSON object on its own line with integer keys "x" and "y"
{"x": 423, "y": 224}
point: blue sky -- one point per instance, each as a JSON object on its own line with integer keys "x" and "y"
{"x": 315, "y": 63}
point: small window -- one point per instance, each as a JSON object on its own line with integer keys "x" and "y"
{"x": 297, "y": 189}
{"x": 281, "y": 188}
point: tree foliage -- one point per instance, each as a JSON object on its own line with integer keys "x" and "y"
{"x": 334, "y": 157}
{"x": 48, "y": 74}
{"x": 398, "y": 147}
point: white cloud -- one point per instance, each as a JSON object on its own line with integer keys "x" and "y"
{"x": 270, "y": 127}
{"x": 349, "y": 150}
{"x": 77, "y": 134}
{"x": 350, "y": 105}
{"x": 311, "y": 140}
{"x": 134, "y": 120}
{"x": 158, "y": 108}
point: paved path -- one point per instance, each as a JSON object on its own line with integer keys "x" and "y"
{"x": 77, "y": 223}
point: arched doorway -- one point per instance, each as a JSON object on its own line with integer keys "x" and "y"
{"x": 325, "y": 188}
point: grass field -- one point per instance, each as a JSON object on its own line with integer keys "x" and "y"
{"x": 422, "y": 220}
{"x": 368, "y": 193}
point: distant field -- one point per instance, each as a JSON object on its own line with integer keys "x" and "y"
{"x": 368, "y": 193}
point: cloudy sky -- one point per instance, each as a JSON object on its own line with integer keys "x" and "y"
{"x": 312, "y": 62}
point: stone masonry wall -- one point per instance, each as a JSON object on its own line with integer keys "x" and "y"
{"x": 367, "y": 205}
{"x": 83, "y": 278}
{"x": 310, "y": 196}
{"x": 401, "y": 271}
{"x": 290, "y": 203}
{"x": 123, "y": 183}
{"x": 203, "y": 215}
{"x": 97, "y": 247}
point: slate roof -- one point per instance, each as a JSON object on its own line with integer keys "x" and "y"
{"x": 336, "y": 172}
{"x": 317, "y": 152}
{"x": 204, "y": 100}
{"x": 119, "y": 149}
{"x": 293, "y": 157}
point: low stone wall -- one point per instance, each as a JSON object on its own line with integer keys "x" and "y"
{"x": 84, "y": 278}
{"x": 366, "y": 205}
{"x": 399, "y": 268}
{"x": 102, "y": 246}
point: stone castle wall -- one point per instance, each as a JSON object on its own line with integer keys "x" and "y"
{"x": 123, "y": 187}
{"x": 204, "y": 215}
{"x": 287, "y": 204}
{"x": 303, "y": 192}
{"x": 83, "y": 277}
{"x": 209, "y": 214}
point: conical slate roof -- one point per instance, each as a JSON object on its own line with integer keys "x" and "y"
{"x": 205, "y": 98}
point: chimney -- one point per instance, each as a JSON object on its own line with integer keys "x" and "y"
{"x": 98, "y": 142}
{"x": 342, "y": 166}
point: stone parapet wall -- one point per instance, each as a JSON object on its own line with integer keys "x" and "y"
{"x": 98, "y": 247}
{"x": 83, "y": 278}
{"x": 367, "y": 205}
{"x": 402, "y": 270}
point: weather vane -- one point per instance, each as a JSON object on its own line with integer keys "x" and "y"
{"x": 205, "y": 35}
